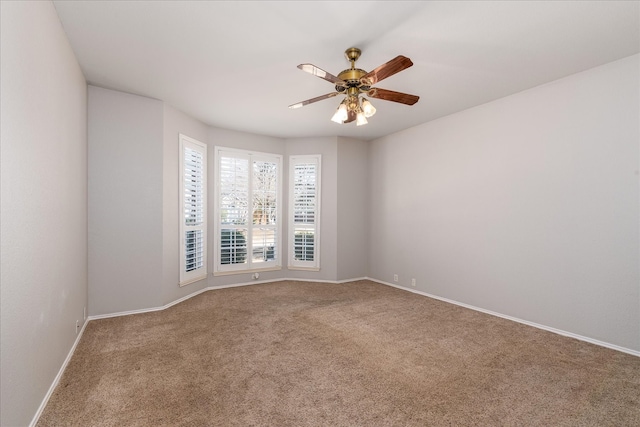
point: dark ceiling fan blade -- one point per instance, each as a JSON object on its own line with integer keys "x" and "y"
{"x": 312, "y": 100}
{"x": 389, "y": 95}
{"x": 319, "y": 72}
{"x": 392, "y": 67}
{"x": 351, "y": 116}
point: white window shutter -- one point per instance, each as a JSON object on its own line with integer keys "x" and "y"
{"x": 193, "y": 210}
{"x": 247, "y": 200}
{"x": 304, "y": 215}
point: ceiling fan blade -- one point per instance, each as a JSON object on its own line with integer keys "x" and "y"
{"x": 392, "y": 67}
{"x": 351, "y": 116}
{"x": 389, "y": 95}
{"x": 319, "y": 72}
{"x": 312, "y": 100}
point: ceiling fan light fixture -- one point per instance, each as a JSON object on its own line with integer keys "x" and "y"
{"x": 361, "y": 119}
{"x": 341, "y": 114}
{"x": 367, "y": 108}
{"x": 354, "y": 82}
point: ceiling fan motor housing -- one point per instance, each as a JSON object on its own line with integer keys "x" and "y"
{"x": 351, "y": 76}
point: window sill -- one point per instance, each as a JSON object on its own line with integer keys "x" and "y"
{"x": 253, "y": 270}
{"x": 303, "y": 268}
{"x": 190, "y": 281}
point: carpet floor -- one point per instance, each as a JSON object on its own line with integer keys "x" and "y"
{"x": 356, "y": 354}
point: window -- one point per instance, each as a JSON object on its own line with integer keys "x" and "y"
{"x": 304, "y": 212}
{"x": 247, "y": 200}
{"x": 193, "y": 210}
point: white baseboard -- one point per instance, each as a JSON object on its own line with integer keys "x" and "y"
{"x": 352, "y": 280}
{"x": 124, "y": 313}
{"x": 213, "y": 288}
{"x": 147, "y": 310}
{"x": 515, "y": 319}
{"x": 335, "y": 282}
{"x": 56, "y": 380}
{"x": 235, "y": 285}
{"x": 415, "y": 291}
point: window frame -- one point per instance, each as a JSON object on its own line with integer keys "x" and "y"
{"x": 294, "y": 264}
{"x": 250, "y": 266}
{"x": 188, "y": 277}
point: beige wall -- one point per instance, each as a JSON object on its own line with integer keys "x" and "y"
{"x": 44, "y": 204}
{"x": 527, "y": 206}
{"x": 353, "y": 209}
{"x": 125, "y": 201}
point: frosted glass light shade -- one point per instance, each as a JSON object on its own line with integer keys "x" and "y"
{"x": 367, "y": 108}
{"x": 341, "y": 114}
{"x": 361, "y": 119}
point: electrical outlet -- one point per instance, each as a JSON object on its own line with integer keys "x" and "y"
{"x": 413, "y": 282}
{"x": 77, "y": 326}
{"x": 395, "y": 277}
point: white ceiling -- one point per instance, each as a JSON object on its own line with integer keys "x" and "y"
{"x": 233, "y": 64}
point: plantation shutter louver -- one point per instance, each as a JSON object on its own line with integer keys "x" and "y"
{"x": 304, "y": 212}
{"x": 193, "y": 162}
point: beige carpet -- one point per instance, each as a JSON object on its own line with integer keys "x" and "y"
{"x": 356, "y": 354}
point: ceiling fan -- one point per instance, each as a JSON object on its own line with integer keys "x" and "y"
{"x": 353, "y": 81}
